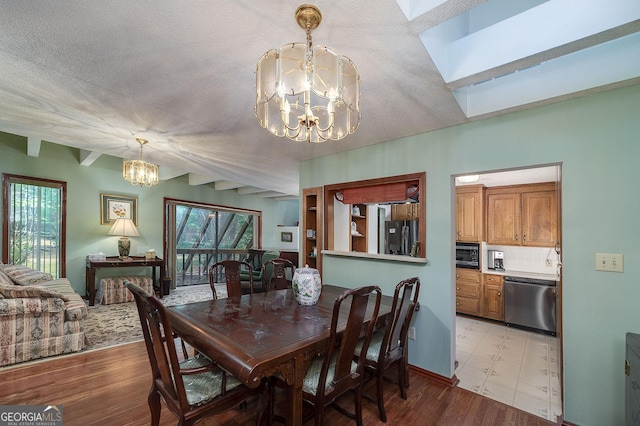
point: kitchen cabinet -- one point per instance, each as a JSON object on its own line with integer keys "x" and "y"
{"x": 468, "y": 291}
{"x": 406, "y": 211}
{"x": 493, "y": 296}
{"x": 479, "y": 294}
{"x": 523, "y": 215}
{"x": 540, "y": 218}
{"x": 312, "y": 227}
{"x": 503, "y": 217}
{"x": 470, "y": 213}
{"x": 359, "y": 228}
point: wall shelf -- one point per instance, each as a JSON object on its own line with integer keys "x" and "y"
{"x": 312, "y": 228}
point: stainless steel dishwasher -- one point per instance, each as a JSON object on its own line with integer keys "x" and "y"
{"x": 531, "y": 303}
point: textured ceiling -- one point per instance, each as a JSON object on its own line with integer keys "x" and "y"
{"x": 97, "y": 74}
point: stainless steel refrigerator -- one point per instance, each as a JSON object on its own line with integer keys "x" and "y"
{"x": 400, "y": 236}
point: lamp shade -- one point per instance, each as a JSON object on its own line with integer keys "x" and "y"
{"x": 124, "y": 228}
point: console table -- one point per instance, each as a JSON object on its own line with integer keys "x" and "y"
{"x": 116, "y": 262}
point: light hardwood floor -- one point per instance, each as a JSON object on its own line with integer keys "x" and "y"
{"x": 110, "y": 386}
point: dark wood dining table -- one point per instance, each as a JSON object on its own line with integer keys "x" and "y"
{"x": 256, "y": 336}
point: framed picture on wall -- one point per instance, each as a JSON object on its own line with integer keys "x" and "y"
{"x": 113, "y": 207}
{"x": 286, "y": 237}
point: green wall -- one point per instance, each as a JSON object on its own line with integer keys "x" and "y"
{"x": 595, "y": 139}
{"x": 86, "y": 235}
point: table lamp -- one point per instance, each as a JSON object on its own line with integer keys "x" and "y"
{"x": 125, "y": 228}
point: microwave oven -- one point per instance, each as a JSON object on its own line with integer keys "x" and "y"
{"x": 468, "y": 255}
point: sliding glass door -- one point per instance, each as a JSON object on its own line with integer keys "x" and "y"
{"x": 198, "y": 235}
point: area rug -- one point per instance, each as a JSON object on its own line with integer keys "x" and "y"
{"x": 117, "y": 324}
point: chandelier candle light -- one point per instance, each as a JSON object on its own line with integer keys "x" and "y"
{"x": 306, "y": 92}
{"x": 125, "y": 228}
{"x": 139, "y": 172}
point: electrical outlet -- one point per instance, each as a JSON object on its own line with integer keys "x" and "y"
{"x": 609, "y": 262}
{"x": 548, "y": 262}
{"x": 412, "y": 333}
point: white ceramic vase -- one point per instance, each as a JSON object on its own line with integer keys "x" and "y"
{"x": 307, "y": 285}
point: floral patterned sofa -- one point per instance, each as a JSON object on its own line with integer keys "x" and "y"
{"x": 39, "y": 316}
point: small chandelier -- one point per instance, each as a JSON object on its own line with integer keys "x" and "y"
{"x": 306, "y": 92}
{"x": 139, "y": 172}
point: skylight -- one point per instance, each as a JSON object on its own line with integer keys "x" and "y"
{"x": 503, "y": 54}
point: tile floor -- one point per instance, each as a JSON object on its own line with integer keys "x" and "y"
{"x": 510, "y": 365}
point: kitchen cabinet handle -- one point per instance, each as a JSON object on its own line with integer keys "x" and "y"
{"x": 499, "y": 293}
{"x": 524, "y": 238}
{"x": 458, "y": 288}
{"x": 516, "y": 237}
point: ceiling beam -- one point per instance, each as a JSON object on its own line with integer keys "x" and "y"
{"x": 87, "y": 158}
{"x": 223, "y": 185}
{"x": 246, "y": 190}
{"x": 270, "y": 194}
{"x": 166, "y": 173}
{"x": 195, "y": 179}
{"x": 33, "y": 146}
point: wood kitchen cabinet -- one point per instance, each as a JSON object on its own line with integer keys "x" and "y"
{"x": 539, "y": 218}
{"x": 469, "y": 213}
{"x": 523, "y": 215}
{"x": 468, "y": 291}
{"x": 312, "y": 227}
{"x": 406, "y": 211}
{"x": 493, "y": 296}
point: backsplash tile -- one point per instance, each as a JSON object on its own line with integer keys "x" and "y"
{"x": 525, "y": 259}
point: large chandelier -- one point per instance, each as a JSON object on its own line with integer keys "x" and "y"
{"x": 139, "y": 172}
{"x": 306, "y": 92}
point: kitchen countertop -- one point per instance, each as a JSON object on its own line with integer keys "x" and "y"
{"x": 522, "y": 274}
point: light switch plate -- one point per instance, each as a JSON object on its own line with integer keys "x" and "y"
{"x": 609, "y": 262}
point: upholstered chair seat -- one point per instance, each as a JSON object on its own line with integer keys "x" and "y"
{"x": 310, "y": 384}
{"x": 203, "y": 387}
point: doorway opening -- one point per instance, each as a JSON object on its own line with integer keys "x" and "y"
{"x": 514, "y": 216}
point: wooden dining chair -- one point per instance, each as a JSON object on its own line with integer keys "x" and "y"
{"x": 335, "y": 372}
{"x": 232, "y": 270}
{"x": 191, "y": 389}
{"x": 256, "y": 260}
{"x": 389, "y": 344}
{"x": 278, "y": 274}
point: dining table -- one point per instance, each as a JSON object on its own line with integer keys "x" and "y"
{"x": 261, "y": 335}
